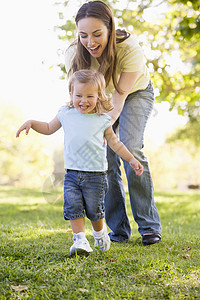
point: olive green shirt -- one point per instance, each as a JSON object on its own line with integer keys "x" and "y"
{"x": 130, "y": 58}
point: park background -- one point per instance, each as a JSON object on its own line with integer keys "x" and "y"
{"x": 34, "y": 36}
{"x": 34, "y": 237}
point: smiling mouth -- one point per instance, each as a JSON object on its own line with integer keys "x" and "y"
{"x": 94, "y": 49}
{"x": 83, "y": 107}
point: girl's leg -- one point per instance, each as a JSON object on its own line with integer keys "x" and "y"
{"x": 73, "y": 210}
{"x": 102, "y": 240}
{"x": 81, "y": 244}
{"x": 94, "y": 187}
{"x": 78, "y": 225}
{"x": 97, "y": 226}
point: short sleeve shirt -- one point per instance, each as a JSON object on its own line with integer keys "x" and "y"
{"x": 84, "y": 147}
{"x": 130, "y": 58}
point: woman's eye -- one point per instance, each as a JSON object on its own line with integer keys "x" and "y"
{"x": 85, "y": 36}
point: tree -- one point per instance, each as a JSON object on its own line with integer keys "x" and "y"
{"x": 25, "y": 161}
{"x": 170, "y": 41}
{"x": 174, "y": 165}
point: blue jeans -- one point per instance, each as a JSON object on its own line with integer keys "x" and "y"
{"x": 131, "y": 125}
{"x": 84, "y": 194}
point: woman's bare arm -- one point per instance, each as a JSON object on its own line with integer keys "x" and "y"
{"x": 126, "y": 83}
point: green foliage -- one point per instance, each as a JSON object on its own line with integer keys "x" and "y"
{"x": 171, "y": 43}
{"x": 189, "y": 134}
{"x": 35, "y": 262}
{"x": 24, "y": 161}
{"x": 174, "y": 164}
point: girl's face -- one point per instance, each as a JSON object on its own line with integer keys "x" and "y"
{"x": 93, "y": 35}
{"x": 84, "y": 97}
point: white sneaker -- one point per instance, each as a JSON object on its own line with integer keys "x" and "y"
{"x": 81, "y": 245}
{"x": 103, "y": 242}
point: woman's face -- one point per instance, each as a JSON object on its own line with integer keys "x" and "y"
{"x": 93, "y": 35}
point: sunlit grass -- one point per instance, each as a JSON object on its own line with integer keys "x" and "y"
{"x": 35, "y": 262}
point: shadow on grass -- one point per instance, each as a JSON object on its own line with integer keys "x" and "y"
{"x": 43, "y": 246}
{"x": 36, "y": 214}
{"x": 7, "y": 192}
{"x": 20, "y": 206}
{"x": 179, "y": 212}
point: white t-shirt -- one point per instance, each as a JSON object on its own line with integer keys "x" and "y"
{"x": 84, "y": 147}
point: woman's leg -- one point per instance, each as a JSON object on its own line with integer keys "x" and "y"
{"x": 132, "y": 123}
{"x": 115, "y": 201}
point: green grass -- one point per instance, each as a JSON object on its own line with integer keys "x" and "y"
{"x": 35, "y": 262}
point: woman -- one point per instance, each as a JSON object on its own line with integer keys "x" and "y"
{"x": 119, "y": 57}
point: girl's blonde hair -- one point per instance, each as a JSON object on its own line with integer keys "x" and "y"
{"x": 82, "y": 59}
{"x": 96, "y": 78}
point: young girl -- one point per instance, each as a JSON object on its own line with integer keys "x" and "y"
{"x": 118, "y": 55}
{"x": 85, "y": 126}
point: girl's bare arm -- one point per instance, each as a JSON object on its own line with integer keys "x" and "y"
{"x": 120, "y": 149}
{"x": 41, "y": 127}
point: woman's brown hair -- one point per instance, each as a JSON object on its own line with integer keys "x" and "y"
{"x": 82, "y": 59}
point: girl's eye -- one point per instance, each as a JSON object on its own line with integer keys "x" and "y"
{"x": 97, "y": 35}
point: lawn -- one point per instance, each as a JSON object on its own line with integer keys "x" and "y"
{"x": 35, "y": 262}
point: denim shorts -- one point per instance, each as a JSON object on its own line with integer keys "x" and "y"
{"x": 84, "y": 194}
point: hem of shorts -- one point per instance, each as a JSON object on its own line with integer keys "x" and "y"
{"x": 74, "y": 217}
{"x": 97, "y": 219}
{"x": 79, "y": 216}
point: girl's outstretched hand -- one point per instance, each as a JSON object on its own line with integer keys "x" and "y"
{"x": 26, "y": 126}
{"x": 136, "y": 165}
